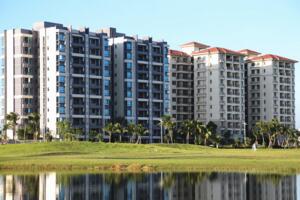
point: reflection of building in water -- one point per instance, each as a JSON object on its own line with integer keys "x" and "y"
{"x": 111, "y": 187}
{"x": 272, "y": 187}
{"x": 47, "y": 186}
{"x": 155, "y": 186}
{"x": 229, "y": 186}
{"x": 181, "y": 187}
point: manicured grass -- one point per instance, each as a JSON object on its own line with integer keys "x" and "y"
{"x": 86, "y": 156}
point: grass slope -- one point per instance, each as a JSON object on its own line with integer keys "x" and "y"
{"x": 66, "y": 156}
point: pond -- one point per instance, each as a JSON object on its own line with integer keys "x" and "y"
{"x": 144, "y": 186}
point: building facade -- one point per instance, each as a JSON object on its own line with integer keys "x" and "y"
{"x": 19, "y": 70}
{"x": 181, "y": 85}
{"x": 141, "y": 81}
{"x": 75, "y": 77}
{"x": 270, "y": 89}
{"x": 219, "y": 89}
{"x": 59, "y": 72}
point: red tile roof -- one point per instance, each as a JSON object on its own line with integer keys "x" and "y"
{"x": 196, "y": 44}
{"x": 272, "y": 57}
{"x": 217, "y": 50}
{"x": 177, "y": 53}
{"x": 249, "y": 52}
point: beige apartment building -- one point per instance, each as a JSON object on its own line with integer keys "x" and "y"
{"x": 270, "y": 81}
{"x": 181, "y": 85}
{"x": 214, "y": 86}
{"x": 219, "y": 89}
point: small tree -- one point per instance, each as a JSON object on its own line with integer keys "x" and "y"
{"x": 131, "y": 131}
{"x": 169, "y": 125}
{"x": 109, "y": 128}
{"x": 65, "y": 130}
{"x": 34, "y": 123}
{"x": 140, "y": 131}
{"x": 187, "y": 128}
{"x": 120, "y": 130}
{"x": 11, "y": 123}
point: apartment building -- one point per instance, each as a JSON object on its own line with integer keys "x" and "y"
{"x": 140, "y": 80}
{"x": 75, "y": 82}
{"x": 270, "y": 88}
{"x": 58, "y": 71}
{"x": 18, "y": 74}
{"x": 219, "y": 89}
{"x": 181, "y": 67}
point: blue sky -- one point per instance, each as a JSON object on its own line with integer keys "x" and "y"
{"x": 266, "y": 26}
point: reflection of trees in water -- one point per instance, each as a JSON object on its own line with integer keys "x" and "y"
{"x": 118, "y": 178}
{"x": 273, "y": 178}
{"x": 29, "y": 184}
{"x": 191, "y": 178}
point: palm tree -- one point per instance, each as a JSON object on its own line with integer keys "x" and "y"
{"x": 216, "y": 140}
{"x": 262, "y": 127}
{"x": 187, "y": 128}
{"x": 65, "y": 130}
{"x": 140, "y": 131}
{"x": 11, "y": 122}
{"x": 120, "y": 130}
{"x": 131, "y": 131}
{"x": 274, "y": 130}
{"x": 34, "y": 122}
{"x": 206, "y": 135}
{"x": 109, "y": 128}
{"x": 212, "y": 127}
{"x": 168, "y": 124}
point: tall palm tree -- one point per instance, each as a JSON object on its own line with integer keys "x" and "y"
{"x": 12, "y": 122}
{"x": 187, "y": 128}
{"x": 34, "y": 123}
{"x": 168, "y": 124}
{"x": 109, "y": 128}
{"x": 274, "y": 130}
{"x": 140, "y": 131}
{"x": 120, "y": 130}
{"x": 200, "y": 129}
{"x": 263, "y": 128}
{"x": 131, "y": 131}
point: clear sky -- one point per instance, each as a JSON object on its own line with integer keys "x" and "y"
{"x": 267, "y": 26}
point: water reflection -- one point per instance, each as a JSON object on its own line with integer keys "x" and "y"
{"x": 156, "y": 186}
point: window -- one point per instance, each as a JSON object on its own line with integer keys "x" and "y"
{"x": 128, "y": 56}
{"x": 128, "y": 46}
{"x": 61, "y": 79}
{"x": 61, "y": 69}
{"x": 61, "y": 99}
{"x": 61, "y": 89}
{"x": 61, "y": 110}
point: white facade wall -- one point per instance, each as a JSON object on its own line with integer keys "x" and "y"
{"x": 219, "y": 92}
{"x": 269, "y": 95}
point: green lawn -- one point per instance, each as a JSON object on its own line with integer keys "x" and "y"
{"x": 77, "y": 156}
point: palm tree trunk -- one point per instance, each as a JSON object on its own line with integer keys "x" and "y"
{"x": 14, "y": 134}
{"x": 188, "y": 138}
{"x": 109, "y": 138}
{"x": 120, "y": 137}
{"x": 270, "y": 142}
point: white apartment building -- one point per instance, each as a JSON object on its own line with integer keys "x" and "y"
{"x": 18, "y": 75}
{"x": 219, "y": 89}
{"x": 270, "y": 91}
{"x": 74, "y": 77}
